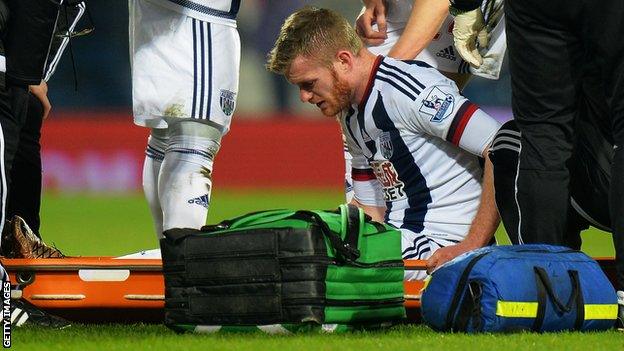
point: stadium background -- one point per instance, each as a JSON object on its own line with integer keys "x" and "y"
{"x": 276, "y": 155}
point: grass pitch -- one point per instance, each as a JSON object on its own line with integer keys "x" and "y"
{"x": 87, "y": 225}
{"x": 97, "y": 225}
{"x": 399, "y": 338}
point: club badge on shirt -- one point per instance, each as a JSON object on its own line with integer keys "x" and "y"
{"x": 385, "y": 144}
{"x": 227, "y": 101}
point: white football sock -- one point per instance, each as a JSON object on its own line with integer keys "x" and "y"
{"x": 185, "y": 181}
{"x": 154, "y": 155}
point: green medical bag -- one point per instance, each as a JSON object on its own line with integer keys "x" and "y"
{"x": 284, "y": 270}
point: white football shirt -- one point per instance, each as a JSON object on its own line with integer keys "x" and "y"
{"x": 421, "y": 139}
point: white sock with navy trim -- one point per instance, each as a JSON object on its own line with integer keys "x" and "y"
{"x": 185, "y": 181}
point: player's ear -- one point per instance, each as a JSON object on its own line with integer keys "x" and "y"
{"x": 345, "y": 60}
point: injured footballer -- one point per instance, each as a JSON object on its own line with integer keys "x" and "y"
{"x": 419, "y": 148}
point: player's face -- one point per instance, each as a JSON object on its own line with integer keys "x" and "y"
{"x": 319, "y": 85}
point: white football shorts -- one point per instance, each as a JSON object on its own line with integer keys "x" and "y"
{"x": 421, "y": 246}
{"x": 181, "y": 67}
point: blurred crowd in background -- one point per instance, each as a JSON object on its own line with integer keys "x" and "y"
{"x": 90, "y": 134}
{"x": 102, "y": 64}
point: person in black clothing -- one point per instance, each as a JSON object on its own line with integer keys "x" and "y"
{"x": 24, "y": 196}
{"x": 555, "y": 49}
{"x": 590, "y": 178}
{"x": 589, "y": 167}
{"x": 25, "y": 178}
{"x": 563, "y": 57}
{"x": 27, "y": 32}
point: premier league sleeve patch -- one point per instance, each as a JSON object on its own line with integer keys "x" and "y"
{"x": 438, "y": 105}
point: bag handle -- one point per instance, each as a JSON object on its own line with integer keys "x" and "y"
{"x": 238, "y": 221}
{"x": 545, "y": 290}
{"x": 470, "y": 308}
{"x": 346, "y": 251}
{"x": 352, "y": 216}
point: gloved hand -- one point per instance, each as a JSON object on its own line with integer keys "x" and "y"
{"x": 469, "y": 27}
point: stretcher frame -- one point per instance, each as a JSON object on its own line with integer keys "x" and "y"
{"x": 108, "y": 289}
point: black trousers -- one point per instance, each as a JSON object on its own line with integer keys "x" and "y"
{"x": 20, "y": 171}
{"x": 24, "y": 197}
{"x": 554, "y": 46}
{"x": 589, "y": 184}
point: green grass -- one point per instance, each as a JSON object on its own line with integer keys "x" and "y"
{"x": 92, "y": 225}
{"x": 403, "y": 338}
{"x": 88, "y": 225}
{"x": 96, "y": 225}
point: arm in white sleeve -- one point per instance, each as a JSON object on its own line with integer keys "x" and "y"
{"x": 478, "y": 132}
{"x": 440, "y": 110}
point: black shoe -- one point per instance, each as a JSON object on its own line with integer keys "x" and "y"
{"x": 23, "y": 312}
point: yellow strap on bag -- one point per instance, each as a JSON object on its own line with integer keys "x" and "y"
{"x": 516, "y": 309}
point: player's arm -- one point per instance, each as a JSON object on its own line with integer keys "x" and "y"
{"x": 376, "y": 213}
{"x": 367, "y": 192}
{"x": 424, "y": 23}
{"x": 483, "y": 226}
{"x": 473, "y": 130}
{"x": 440, "y": 110}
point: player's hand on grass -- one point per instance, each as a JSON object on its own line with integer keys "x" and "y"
{"x": 468, "y": 29}
{"x": 445, "y": 254}
{"x": 41, "y": 92}
{"x": 374, "y": 11}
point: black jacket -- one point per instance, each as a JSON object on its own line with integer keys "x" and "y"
{"x": 34, "y": 35}
{"x": 4, "y": 18}
{"x": 27, "y": 38}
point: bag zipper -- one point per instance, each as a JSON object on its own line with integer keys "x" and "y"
{"x": 307, "y": 259}
{"x": 294, "y": 260}
{"x": 371, "y": 303}
{"x": 549, "y": 252}
{"x": 342, "y": 303}
{"x": 381, "y": 264}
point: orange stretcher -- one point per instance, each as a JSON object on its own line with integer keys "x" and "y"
{"x": 108, "y": 289}
{"x": 92, "y": 289}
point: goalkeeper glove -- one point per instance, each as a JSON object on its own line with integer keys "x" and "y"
{"x": 469, "y": 27}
